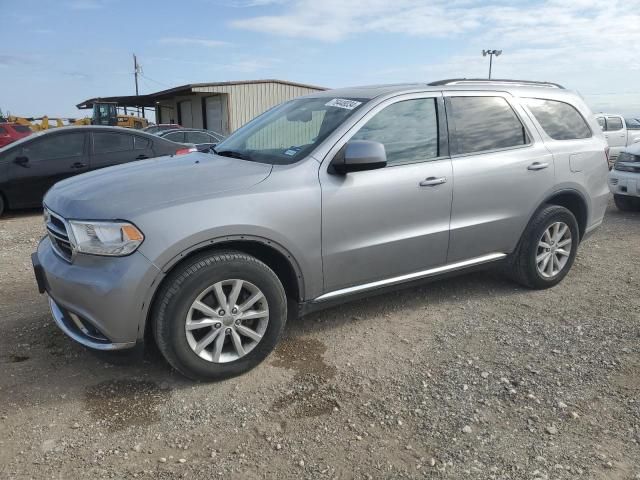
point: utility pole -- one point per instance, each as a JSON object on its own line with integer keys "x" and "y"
{"x": 136, "y": 70}
{"x": 491, "y": 53}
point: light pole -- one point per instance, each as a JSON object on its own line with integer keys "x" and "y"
{"x": 491, "y": 53}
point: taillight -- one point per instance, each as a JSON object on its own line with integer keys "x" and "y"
{"x": 184, "y": 151}
{"x": 606, "y": 154}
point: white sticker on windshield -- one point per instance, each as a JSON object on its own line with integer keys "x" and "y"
{"x": 343, "y": 103}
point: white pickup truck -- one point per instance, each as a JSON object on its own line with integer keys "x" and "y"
{"x": 619, "y": 131}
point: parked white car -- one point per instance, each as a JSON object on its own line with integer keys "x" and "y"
{"x": 620, "y": 132}
{"x": 624, "y": 179}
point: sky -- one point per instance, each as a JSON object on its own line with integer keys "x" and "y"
{"x": 55, "y": 54}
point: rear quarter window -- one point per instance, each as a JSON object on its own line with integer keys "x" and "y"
{"x": 559, "y": 120}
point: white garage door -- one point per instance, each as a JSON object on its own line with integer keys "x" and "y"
{"x": 186, "y": 116}
{"x": 214, "y": 114}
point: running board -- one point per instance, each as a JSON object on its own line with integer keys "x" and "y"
{"x": 411, "y": 276}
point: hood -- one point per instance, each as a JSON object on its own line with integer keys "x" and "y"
{"x": 633, "y": 149}
{"x": 120, "y": 192}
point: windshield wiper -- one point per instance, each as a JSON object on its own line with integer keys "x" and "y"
{"x": 232, "y": 154}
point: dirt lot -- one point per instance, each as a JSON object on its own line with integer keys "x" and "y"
{"x": 470, "y": 377}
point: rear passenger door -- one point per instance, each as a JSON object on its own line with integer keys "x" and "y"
{"x": 113, "y": 148}
{"x": 383, "y": 223}
{"x": 501, "y": 171}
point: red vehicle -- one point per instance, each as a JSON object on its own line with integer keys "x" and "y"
{"x": 10, "y": 132}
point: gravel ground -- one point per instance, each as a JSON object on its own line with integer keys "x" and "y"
{"x": 470, "y": 377}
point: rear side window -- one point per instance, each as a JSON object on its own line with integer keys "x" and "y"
{"x": 141, "y": 143}
{"x": 3, "y": 131}
{"x": 175, "y": 136}
{"x": 558, "y": 119}
{"x": 613, "y": 124}
{"x": 407, "y": 129}
{"x": 483, "y": 123}
{"x": 112, "y": 142}
{"x": 198, "y": 137}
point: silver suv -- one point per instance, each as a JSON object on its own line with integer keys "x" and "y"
{"x": 319, "y": 200}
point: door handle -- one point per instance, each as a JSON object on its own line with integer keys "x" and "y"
{"x": 78, "y": 165}
{"x": 433, "y": 181}
{"x": 538, "y": 166}
{"x": 22, "y": 161}
{"x": 141, "y": 157}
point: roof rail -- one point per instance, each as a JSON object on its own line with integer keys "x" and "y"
{"x": 481, "y": 81}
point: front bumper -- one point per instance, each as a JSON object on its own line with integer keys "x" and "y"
{"x": 100, "y": 302}
{"x": 624, "y": 183}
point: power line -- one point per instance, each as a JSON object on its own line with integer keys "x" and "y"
{"x": 155, "y": 81}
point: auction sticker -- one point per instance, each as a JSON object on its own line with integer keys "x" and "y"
{"x": 343, "y": 103}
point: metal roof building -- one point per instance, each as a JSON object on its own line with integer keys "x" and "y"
{"x": 219, "y": 106}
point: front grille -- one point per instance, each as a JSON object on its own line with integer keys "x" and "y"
{"x": 613, "y": 181}
{"x": 58, "y": 234}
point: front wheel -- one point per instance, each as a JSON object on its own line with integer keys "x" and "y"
{"x": 219, "y": 315}
{"x": 547, "y": 249}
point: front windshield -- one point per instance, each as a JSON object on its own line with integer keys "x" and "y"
{"x": 288, "y": 132}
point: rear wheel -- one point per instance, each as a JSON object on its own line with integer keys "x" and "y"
{"x": 219, "y": 315}
{"x": 547, "y": 249}
{"x": 626, "y": 203}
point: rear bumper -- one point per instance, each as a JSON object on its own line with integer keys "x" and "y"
{"x": 100, "y": 302}
{"x": 624, "y": 183}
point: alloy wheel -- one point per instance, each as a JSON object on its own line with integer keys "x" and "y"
{"x": 227, "y": 320}
{"x": 554, "y": 250}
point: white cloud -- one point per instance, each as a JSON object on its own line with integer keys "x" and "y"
{"x": 192, "y": 42}
{"x": 591, "y": 46}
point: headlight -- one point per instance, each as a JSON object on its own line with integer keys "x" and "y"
{"x": 105, "y": 238}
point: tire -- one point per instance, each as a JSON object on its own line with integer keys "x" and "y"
{"x": 626, "y": 203}
{"x": 174, "y": 308}
{"x": 2, "y": 205}
{"x": 523, "y": 267}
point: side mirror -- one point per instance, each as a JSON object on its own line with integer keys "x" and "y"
{"x": 360, "y": 155}
{"x": 22, "y": 161}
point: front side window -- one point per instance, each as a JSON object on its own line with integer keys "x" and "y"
{"x": 483, "y": 123}
{"x": 613, "y": 124}
{"x": 54, "y": 147}
{"x": 22, "y": 129}
{"x": 104, "y": 142}
{"x": 602, "y": 122}
{"x": 558, "y": 119}
{"x": 407, "y": 129}
{"x": 288, "y": 132}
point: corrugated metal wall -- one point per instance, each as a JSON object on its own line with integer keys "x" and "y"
{"x": 247, "y": 101}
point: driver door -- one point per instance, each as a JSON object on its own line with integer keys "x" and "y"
{"x": 380, "y": 224}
